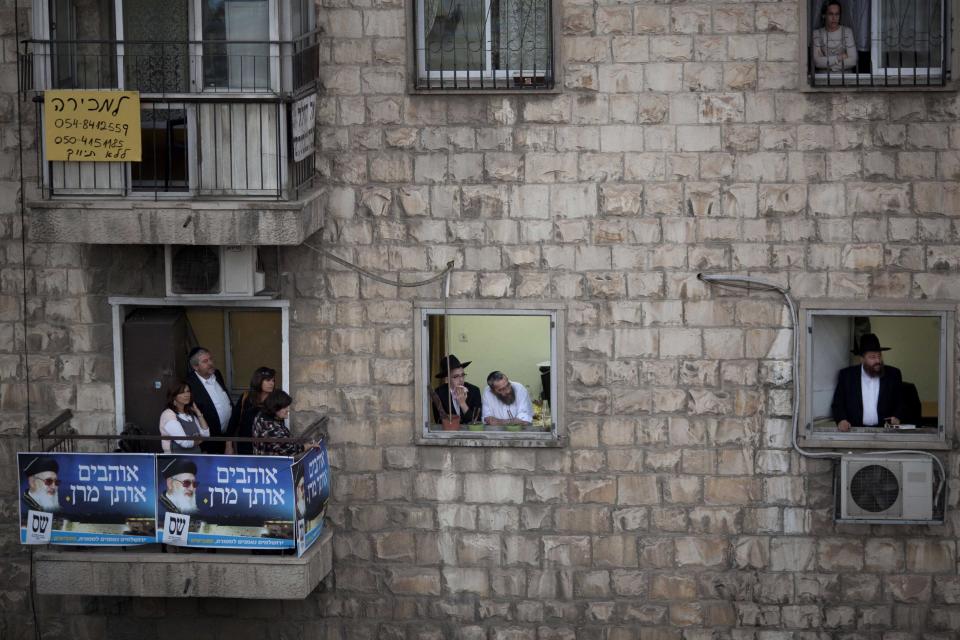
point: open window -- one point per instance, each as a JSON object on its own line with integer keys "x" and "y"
{"x": 855, "y": 43}
{"x": 918, "y": 342}
{"x": 458, "y": 348}
{"x": 152, "y": 337}
{"x": 484, "y": 44}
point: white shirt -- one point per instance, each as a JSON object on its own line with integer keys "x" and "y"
{"x": 220, "y": 398}
{"x": 870, "y": 390}
{"x": 521, "y": 409}
{"x": 170, "y": 426}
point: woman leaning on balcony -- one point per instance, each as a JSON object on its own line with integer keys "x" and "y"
{"x": 270, "y": 424}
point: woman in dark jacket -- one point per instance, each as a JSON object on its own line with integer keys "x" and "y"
{"x": 250, "y": 404}
{"x": 270, "y": 424}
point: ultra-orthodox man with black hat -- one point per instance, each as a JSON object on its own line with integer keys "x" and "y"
{"x": 467, "y": 400}
{"x": 868, "y": 394}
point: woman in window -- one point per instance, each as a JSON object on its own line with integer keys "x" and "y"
{"x": 834, "y": 47}
{"x": 182, "y": 420}
{"x": 248, "y": 407}
{"x": 270, "y": 424}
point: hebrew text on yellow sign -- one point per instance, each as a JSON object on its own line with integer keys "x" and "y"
{"x": 92, "y": 126}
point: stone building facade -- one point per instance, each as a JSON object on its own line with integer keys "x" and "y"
{"x": 679, "y": 141}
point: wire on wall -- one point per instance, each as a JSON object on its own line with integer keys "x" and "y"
{"x": 377, "y": 277}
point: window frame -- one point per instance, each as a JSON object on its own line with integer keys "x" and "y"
{"x": 120, "y": 305}
{"x": 424, "y": 436}
{"x": 863, "y": 82}
{"x": 420, "y": 81}
{"x": 942, "y": 440}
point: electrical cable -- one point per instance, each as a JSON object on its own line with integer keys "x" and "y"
{"x": 23, "y": 268}
{"x": 748, "y": 282}
{"x": 376, "y": 277}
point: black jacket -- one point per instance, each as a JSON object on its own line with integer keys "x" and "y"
{"x": 205, "y": 404}
{"x": 848, "y": 397}
{"x": 245, "y": 411}
{"x": 474, "y": 403}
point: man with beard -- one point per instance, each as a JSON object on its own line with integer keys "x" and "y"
{"x": 43, "y": 484}
{"x": 867, "y": 394}
{"x": 506, "y": 403}
{"x": 181, "y": 479}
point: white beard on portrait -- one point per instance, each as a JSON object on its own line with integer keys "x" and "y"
{"x": 48, "y": 502}
{"x": 183, "y": 502}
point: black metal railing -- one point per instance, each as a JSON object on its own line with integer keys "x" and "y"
{"x": 58, "y": 435}
{"x": 889, "y": 43}
{"x": 494, "y": 44}
{"x": 280, "y": 67}
{"x": 197, "y": 147}
{"x": 215, "y": 115}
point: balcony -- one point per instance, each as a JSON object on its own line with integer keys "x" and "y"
{"x": 166, "y": 571}
{"x": 219, "y": 161}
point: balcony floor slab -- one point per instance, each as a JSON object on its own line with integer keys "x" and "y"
{"x": 192, "y": 574}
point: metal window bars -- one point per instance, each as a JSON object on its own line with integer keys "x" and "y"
{"x": 908, "y": 45}
{"x": 484, "y": 44}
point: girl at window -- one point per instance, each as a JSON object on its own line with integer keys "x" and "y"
{"x": 834, "y": 47}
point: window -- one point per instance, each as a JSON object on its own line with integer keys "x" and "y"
{"x": 878, "y": 42}
{"x": 151, "y": 338}
{"x": 916, "y": 342}
{"x": 462, "y": 347}
{"x": 484, "y": 44}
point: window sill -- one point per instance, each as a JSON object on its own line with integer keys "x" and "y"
{"x": 183, "y": 575}
{"x": 473, "y": 91}
{"x": 523, "y": 439}
{"x": 921, "y": 439}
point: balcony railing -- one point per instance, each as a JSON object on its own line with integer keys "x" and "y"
{"x": 280, "y": 67}
{"x": 215, "y": 115}
{"x": 59, "y": 436}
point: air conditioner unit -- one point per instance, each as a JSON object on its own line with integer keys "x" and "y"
{"x": 197, "y": 270}
{"x": 887, "y": 489}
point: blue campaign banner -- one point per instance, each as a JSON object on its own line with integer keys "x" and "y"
{"x": 96, "y": 499}
{"x": 235, "y": 502}
{"x": 311, "y": 479}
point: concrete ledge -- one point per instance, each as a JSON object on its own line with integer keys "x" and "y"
{"x": 201, "y": 222}
{"x": 183, "y": 575}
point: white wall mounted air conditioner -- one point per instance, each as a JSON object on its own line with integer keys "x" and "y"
{"x": 204, "y": 271}
{"x": 886, "y": 488}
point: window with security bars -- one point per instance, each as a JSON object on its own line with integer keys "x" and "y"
{"x": 484, "y": 44}
{"x": 878, "y": 43}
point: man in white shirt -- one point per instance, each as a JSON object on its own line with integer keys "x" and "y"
{"x": 210, "y": 394}
{"x": 506, "y": 403}
{"x": 868, "y": 394}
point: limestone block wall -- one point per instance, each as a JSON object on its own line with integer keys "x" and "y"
{"x": 679, "y": 142}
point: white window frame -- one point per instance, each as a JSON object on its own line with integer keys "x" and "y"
{"x": 943, "y": 439}
{"x": 120, "y": 304}
{"x": 424, "y": 436}
{"x": 488, "y": 73}
{"x": 834, "y": 80}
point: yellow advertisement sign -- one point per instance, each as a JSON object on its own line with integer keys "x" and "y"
{"x": 91, "y": 126}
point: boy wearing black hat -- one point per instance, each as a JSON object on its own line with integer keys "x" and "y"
{"x": 467, "y": 401}
{"x": 867, "y": 394}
